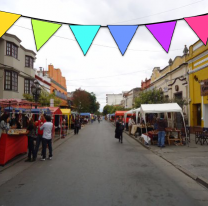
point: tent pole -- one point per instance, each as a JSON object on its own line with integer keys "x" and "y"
{"x": 187, "y": 142}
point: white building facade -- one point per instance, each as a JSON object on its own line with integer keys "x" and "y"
{"x": 114, "y": 99}
{"x": 43, "y": 80}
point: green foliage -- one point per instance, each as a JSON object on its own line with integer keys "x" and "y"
{"x": 110, "y": 109}
{"x": 44, "y": 99}
{"x": 150, "y": 97}
{"x": 156, "y": 97}
{"x": 85, "y": 101}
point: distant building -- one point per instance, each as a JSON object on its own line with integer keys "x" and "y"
{"x": 16, "y": 68}
{"x": 130, "y": 96}
{"x": 58, "y": 83}
{"x": 114, "y": 99}
{"x": 145, "y": 84}
{"x": 43, "y": 80}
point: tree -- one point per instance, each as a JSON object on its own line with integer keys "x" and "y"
{"x": 150, "y": 97}
{"x": 94, "y": 105}
{"x": 81, "y": 100}
{"x": 44, "y": 99}
{"x": 110, "y": 109}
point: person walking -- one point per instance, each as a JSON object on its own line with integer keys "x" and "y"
{"x": 76, "y": 125}
{"x": 39, "y": 124}
{"x": 30, "y": 134}
{"x": 131, "y": 122}
{"x": 119, "y": 129}
{"x": 161, "y": 125}
{"x": 47, "y": 137}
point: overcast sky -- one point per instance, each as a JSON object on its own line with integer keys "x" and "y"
{"x": 104, "y": 58}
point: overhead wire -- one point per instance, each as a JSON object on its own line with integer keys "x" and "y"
{"x": 159, "y": 12}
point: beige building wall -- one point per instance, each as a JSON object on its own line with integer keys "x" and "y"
{"x": 13, "y": 64}
{"x": 173, "y": 81}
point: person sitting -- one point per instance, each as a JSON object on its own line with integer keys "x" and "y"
{"x": 131, "y": 122}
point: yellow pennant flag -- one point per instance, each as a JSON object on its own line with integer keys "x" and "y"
{"x": 6, "y": 21}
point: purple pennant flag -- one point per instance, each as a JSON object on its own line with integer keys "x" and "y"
{"x": 163, "y": 33}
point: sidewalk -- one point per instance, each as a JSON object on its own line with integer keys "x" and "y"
{"x": 17, "y": 164}
{"x": 192, "y": 160}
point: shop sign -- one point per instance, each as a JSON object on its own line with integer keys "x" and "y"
{"x": 204, "y": 87}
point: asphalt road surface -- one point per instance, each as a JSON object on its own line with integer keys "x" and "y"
{"x": 94, "y": 169}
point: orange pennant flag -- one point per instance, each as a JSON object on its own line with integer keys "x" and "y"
{"x": 6, "y": 21}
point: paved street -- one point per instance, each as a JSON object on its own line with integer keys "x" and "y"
{"x": 92, "y": 168}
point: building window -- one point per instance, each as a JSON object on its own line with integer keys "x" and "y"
{"x": 11, "y": 81}
{"x": 11, "y": 49}
{"x": 29, "y": 61}
{"x": 28, "y": 84}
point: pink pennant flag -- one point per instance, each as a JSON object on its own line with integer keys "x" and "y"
{"x": 199, "y": 26}
{"x": 163, "y": 33}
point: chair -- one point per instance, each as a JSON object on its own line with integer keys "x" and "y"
{"x": 199, "y": 137}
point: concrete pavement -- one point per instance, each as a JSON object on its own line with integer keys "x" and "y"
{"x": 192, "y": 159}
{"x": 93, "y": 168}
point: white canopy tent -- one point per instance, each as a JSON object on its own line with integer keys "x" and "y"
{"x": 137, "y": 113}
{"x": 132, "y": 111}
{"x": 128, "y": 112}
{"x": 161, "y": 108}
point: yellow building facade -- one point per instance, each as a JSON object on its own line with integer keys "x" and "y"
{"x": 197, "y": 60}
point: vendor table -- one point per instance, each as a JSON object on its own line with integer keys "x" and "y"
{"x": 169, "y": 131}
{"x": 11, "y": 146}
{"x": 154, "y": 136}
{"x": 140, "y": 129}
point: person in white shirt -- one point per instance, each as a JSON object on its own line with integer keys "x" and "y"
{"x": 131, "y": 122}
{"x": 47, "y": 128}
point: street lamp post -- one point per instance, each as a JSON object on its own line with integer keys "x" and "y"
{"x": 36, "y": 90}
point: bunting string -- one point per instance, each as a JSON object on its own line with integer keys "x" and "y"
{"x": 163, "y": 32}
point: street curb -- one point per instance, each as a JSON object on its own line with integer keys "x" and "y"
{"x": 24, "y": 156}
{"x": 198, "y": 179}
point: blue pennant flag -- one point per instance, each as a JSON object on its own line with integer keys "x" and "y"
{"x": 122, "y": 35}
{"x": 85, "y": 35}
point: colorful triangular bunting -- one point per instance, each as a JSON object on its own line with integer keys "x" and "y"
{"x": 199, "y": 26}
{"x": 43, "y": 31}
{"x": 163, "y": 33}
{"x": 7, "y": 20}
{"x": 122, "y": 35}
{"x": 85, "y": 35}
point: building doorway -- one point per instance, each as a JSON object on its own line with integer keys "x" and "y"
{"x": 197, "y": 114}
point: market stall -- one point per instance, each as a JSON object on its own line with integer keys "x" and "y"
{"x": 120, "y": 113}
{"x": 56, "y": 115}
{"x": 67, "y": 116}
{"x": 162, "y": 108}
{"x": 12, "y": 144}
{"x": 72, "y": 118}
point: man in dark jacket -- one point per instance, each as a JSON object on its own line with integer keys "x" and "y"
{"x": 161, "y": 125}
{"x": 119, "y": 129}
{"x": 77, "y": 125}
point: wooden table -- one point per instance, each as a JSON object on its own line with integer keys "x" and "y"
{"x": 169, "y": 131}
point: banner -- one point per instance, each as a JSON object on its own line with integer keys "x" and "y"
{"x": 43, "y": 31}
{"x": 85, "y": 35}
{"x": 163, "y": 32}
{"x": 199, "y": 26}
{"x": 6, "y": 21}
{"x": 122, "y": 35}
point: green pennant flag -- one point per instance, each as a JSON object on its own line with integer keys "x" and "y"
{"x": 43, "y": 31}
